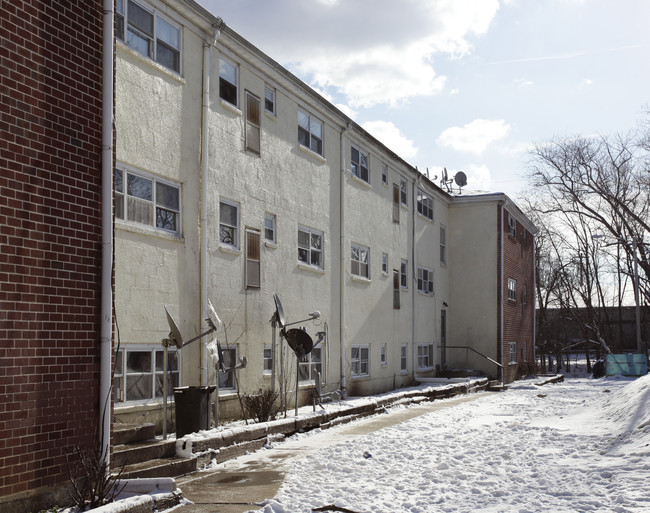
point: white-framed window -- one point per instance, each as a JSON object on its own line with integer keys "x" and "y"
{"x": 311, "y": 365}
{"x": 149, "y": 33}
{"x": 228, "y": 81}
{"x": 425, "y": 356}
{"x": 512, "y": 350}
{"x": 443, "y": 245}
{"x": 139, "y": 373}
{"x": 382, "y": 355}
{"x": 403, "y": 358}
{"x": 360, "y": 358}
{"x": 268, "y": 359}
{"x": 253, "y": 114}
{"x": 396, "y": 196}
{"x": 384, "y": 263}
{"x": 512, "y": 289}
{"x": 384, "y": 174}
{"x": 144, "y": 199}
{"x": 403, "y": 195}
{"x": 403, "y": 274}
{"x": 425, "y": 205}
{"x": 310, "y": 247}
{"x": 359, "y": 164}
{"x": 360, "y": 260}
{"x": 269, "y": 99}
{"x": 227, "y": 379}
{"x": 396, "y": 289}
{"x": 425, "y": 280}
{"x": 253, "y": 262}
{"x": 269, "y": 228}
{"x": 229, "y": 223}
{"x": 310, "y": 132}
{"x": 512, "y": 225}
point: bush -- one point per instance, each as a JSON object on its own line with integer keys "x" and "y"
{"x": 261, "y": 406}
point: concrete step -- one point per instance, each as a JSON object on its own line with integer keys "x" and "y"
{"x": 137, "y": 452}
{"x": 128, "y": 433}
{"x": 496, "y": 386}
{"x": 460, "y": 373}
{"x": 160, "y": 467}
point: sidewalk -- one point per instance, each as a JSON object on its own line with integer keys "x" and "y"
{"x": 243, "y": 484}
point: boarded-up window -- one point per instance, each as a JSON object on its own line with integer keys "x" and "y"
{"x": 252, "y": 260}
{"x": 396, "y": 289}
{"x": 252, "y": 123}
{"x": 396, "y": 200}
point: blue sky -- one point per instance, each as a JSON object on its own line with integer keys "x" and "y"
{"x": 469, "y": 85}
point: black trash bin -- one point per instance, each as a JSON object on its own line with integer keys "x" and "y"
{"x": 192, "y": 409}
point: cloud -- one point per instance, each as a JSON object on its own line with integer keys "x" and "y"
{"x": 389, "y": 134}
{"x": 586, "y": 83}
{"x": 474, "y": 137}
{"x": 479, "y": 178}
{"x": 370, "y": 51}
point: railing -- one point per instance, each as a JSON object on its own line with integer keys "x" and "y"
{"x": 474, "y": 351}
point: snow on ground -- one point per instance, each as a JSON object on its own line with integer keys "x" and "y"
{"x": 578, "y": 446}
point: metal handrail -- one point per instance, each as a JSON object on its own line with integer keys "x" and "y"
{"x": 474, "y": 350}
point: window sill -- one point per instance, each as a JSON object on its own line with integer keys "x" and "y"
{"x": 230, "y": 393}
{"x": 271, "y": 115}
{"x": 360, "y": 377}
{"x": 426, "y": 218}
{"x": 122, "y": 46}
{"x": 361, "y": 279}
{"x": 271, "y": 245}
{"x": 229, "y": 106}
{"x": 360, "y": 181}
{"x": 229, "y": 250}
{"x": 147, "y": 230}
{"x": 311, "y": 268}
{"x": 311, "y": 153}
{"x": 426, "y": 294}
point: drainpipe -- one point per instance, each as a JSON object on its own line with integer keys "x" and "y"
{"x": 534, "y": 295}
{"x": 501, "y": 205}
{"x": 107, "y": 234}
{"x": 414, "y": 274}
{"x": 342, "y": 264}
{"x": 205, "y": 164}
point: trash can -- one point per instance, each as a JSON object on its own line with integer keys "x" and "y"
{"x": 192, "y": 409}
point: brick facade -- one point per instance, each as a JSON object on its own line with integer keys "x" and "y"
{"x": 519, "y": 312}
{"x": 50, "y": 239}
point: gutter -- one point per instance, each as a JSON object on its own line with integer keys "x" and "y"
{"x": 106, "y": 320}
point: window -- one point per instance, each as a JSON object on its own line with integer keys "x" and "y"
{"x": 310, "y": 132}
{"x": 229, "y": 223}
{"x": 425, "y": 356}
{"x": 360, "y": 261}
{"x": 513, "y": 352}
{"x": 227, "y": 380}
{"x": 148, "y": 33}
{"x": 269, "y": 227}
{"x": 396, "y": 195}
{"x": 512, "y": 289}
{"x": 310, "y": 247}
{"x": 425, "y": 205}
{"x": 311, "y": 365}
{"x": 404, "y": 274}
{"x": 382, "y": 355}
{"x": 384, "y": 173}
{"x": 228, "y": 81}
{"x": 512, "y": 225}
{"x": 359, "y": 165}
{"x": 147, "y": 200}
{"x": 268, "y": 359}
{"x": 403, "y": 358}
{"x": 425, "y": 280}
{"x": 359, "y": 360}
{"x": 403, "y": 198}
{"x": 269, "y": 99}
{"x": 252, "y": 123}
{"x": 384, "y": 263}
{"x": 253, "y": 278}
{"x": 144, "y": 374}
{"x": 443, "y": 245}
{"x": 396, "y": 281}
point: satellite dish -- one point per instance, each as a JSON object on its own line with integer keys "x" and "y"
{"x": 279, "y": 312}
{"x": 444, "y": 174}
{"x": 461, "y": 179}
{"x": 213, "y": 318}
{"x": 299, "y": 341}
{"x": 174, "y": 333}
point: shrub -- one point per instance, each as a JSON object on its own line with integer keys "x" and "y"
{"x": 261, "y": 406}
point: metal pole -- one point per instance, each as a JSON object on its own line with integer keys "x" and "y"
{"x": 639, "y": 345}
{"x": 273, "y": 324}
{"x": 165, "y": 343}
{"x": 297, "y": 380}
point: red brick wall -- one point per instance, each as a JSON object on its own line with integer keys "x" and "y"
{"x": 518, "y": 318}
{"x": 50, "y": 245}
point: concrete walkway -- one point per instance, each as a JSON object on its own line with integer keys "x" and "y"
{"x": 244, "y": 483}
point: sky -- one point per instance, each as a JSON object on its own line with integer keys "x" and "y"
{"x": 470, "y": 85}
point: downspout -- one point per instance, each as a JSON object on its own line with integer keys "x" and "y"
{"x": 205, "y": 164}
{"x": 106, "y": 321}
{"x": 414, "y": 276}
{"x": 342, "y": 264}
{"x": 501, "y": 205}
{"x": 534, "y": 294}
